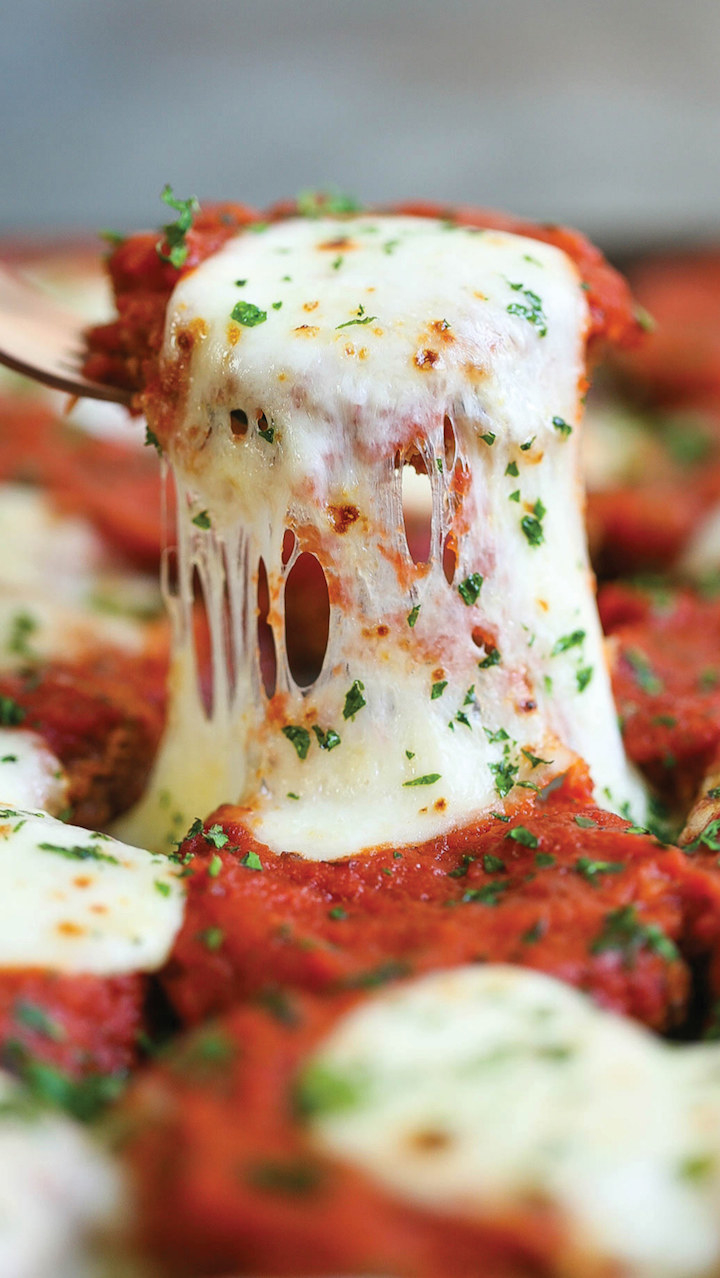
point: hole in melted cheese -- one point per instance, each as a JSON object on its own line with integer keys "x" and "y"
{"x": 458, "y": 345}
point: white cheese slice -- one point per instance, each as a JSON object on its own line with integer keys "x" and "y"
{"x": 355, "y": 344}
{"x": 468, "y": 1091}
{"x": 60, "y": 1194}
{"x": 76, "y": 901}
{"x": 31, "y": 776}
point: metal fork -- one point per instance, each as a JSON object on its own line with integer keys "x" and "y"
{"x": 43, "y": 340}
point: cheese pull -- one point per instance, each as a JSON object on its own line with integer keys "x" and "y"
{"x": 306, "y": 367}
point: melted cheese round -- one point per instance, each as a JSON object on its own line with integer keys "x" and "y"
{"x": 467, "y": 1091}
{"x": 76, "y": 901}
{"x": 343, "y": 348}
{"x": 30, "y": 774}
{"x": 58, "y": 1193}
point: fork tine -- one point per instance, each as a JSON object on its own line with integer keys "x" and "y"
{"x": 43, "y": 340}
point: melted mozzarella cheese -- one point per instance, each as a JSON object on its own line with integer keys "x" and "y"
{"x": 76, "y": 901}
{"x": 357, "y": 344}
{"x": 31, "y": 776}
{"x": 58, "y": 1193}
{"x": 470, "y": 1091}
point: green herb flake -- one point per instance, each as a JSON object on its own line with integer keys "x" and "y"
{"x": 533, "y": 529}
{"x": 251, "y": 861}
{"x": 161, "y": 887}
{"x": 354, "y": 700}
{"x": 488, "y": 894}
{"x": 202, "y": 520}
{"x": 521, "y": 834}
{"x": 565, "y": 642}
{"x": 11, "y": 714}
{"x": 328, "y": 203}
{"x": 525, "y": 448}
{"x": 152, "y": 441}
{"x": 174, "y": 234}
{"x": 585, "y": 823}
{"x": 534, "y": 759}
{"x": 360, "y": 318}
{"x": 494, "y": 737}
{"x": 337, "y": 913}
{"x": 215, "y": 866}
{"x": 562, "y": 426}
{"x": 79, "y": 852}
{"x": 428, "y": 779}
{"x": 461, "y": 870}
{"x": 277, "y": 306}
{"x": 544, "y": 860}
{"x": 248, "y": 314}
{"x": 491, "y": 659}
{"x": 413, "y": 615}
{"x": 493, "y": 864}
{"x": 9, "y": 758}
{"x": 217, "y": 836}
{"x": 697, "y": 1167}
{"x": 512, "y": 469}
{"x": 409, "y": 754}
{"x": 515, "y": 496}
{"x": 298, "y": 737}
{"x": 212, "y": 938}
{"x": 266, "y": 432}
{"x": 469, "y": 589}
{"x": 505, "y": 775}
{"x": 644, "y": 675}
{"x": 292, "y": 1177}
{"x": 583, "y": 676}
{"x": 327, "y": 739}
{"x": 589, "y": 869}
{"x": 489, "y": 438}
{"x": 624, "y": 933}
{"x": 323, "y": 1091}
{"x": 531, "y": 309}
{"x": 36, "y": 1018}
{"x": 534, "y": 933}
{"x": 23, "y": 625}
{"x": 438, "y": 689}
{"x": 644, "y": 319}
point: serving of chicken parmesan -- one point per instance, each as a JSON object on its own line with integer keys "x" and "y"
{"x": 362, "y": 906}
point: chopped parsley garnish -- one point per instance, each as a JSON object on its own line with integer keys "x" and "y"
{"x": 326, "y": 203}
{"x": 544, "y": 860}
{"x": 174, "y": 234}
{"x": 299, "y": 737}
{"x": 413, "y": 615}
{"x": 525, "y": 448}
{"x": 583, "y": 677}
{"x": 267, "y": 431}
{"x": 643, "y": 672}
{"x": 585, "y": 823}
{"x": 531, "y": 309}
{"x": 492, "y": 658}
{"x": 277, "y": 306}
{"x": 161, "y": 887}
{"x": 534, "y": 759}
{"x": 534, "y": 933}
{"x": 23, "y": 625}
{"x": 79, "y": 852}
{"x": 337, "y": 913}
{"x": 644, "y": 319}
{"x": 217, "y": 836}
{"x": 624, "y": 932}
{"x": 428, "y": 779}
{"x": 708, "y": 838}
{"x": 212, "y": 938}
{"x": 590, "y": 869}
{"x": 354, "y": 700}
{"x": 565, "y": 642}
{"x": 247, "y": 314}
{"x": 202, "y": 520}
{"x": 532, "y": 524}
{"x": 512, "y": 469}
{"x": 360, "y": 318}
{"x": 493, "y": 864}
{"x": 215, "y": 866}
{"x": 505, "y": 774}
{"x": 515, "y": 496}
{"x": 469, "y": 589}
{"x": 152, "y": 441}
{"x": 389, "y": 246}
{"x": 9, "y": 758}
{"x": 521, "y": 834}
{"x": 438, "y": 689}
{"x": 322, "y": 1091}
{"x": 328, "y": 739}
{"x": 251, "y": 861}
{"x": 461, "y": 870}
{"x": 499, "y": 735}
{"x": 488, "y": 894}
{"x": 489, "y": 438}
{"x": 37, "y": 1019}
{"x": 11, "y": 714}
{"x": 562, "y": 426}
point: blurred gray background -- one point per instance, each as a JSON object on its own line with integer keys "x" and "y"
{"x": 606, "y": 113}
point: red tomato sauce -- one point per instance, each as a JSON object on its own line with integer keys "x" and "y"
{"x": 564, "y": 889}
{"x": 77, "y": 1024}
{"x": 117, "y": 487}
{"x": 666, "y": 681}
{"x": 102, "y": 719}
{"x": 226, "y": 1181}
